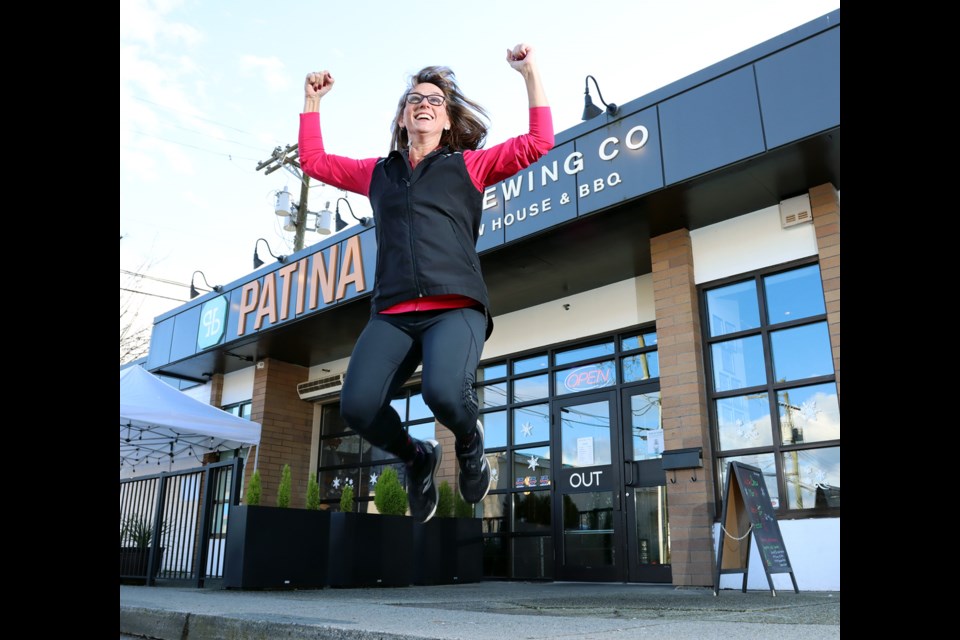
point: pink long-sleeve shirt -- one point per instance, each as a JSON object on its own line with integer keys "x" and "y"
{"x": 485, "y": 167}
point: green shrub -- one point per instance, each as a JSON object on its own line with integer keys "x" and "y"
{"x": 283, "y": 491}
{"x": 462, "y": 508}
{"x": 137, "y": 531}
{"x": 346, "y": 499}
{"x": 391, "y": 499}
{"x": 444, "y": 500}
{"x": 313, "y": 493}
{"x": 254, "y": 488}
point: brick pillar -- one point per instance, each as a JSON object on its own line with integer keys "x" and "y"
{"x": 690, "y": 504}
{"x": 449, "y": 469}
{"x": 826, "y": 221}
{"x": 216, "y": 398}
{"x": 286, "y": 427}
{"x": 216, "y": 390}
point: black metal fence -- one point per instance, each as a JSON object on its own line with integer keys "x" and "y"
{"x": 173, "y": 526}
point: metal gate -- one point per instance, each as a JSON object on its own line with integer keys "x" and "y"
{"x": 173, "y": 526}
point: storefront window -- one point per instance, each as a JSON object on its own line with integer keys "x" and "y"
{"x": 583, "y": 353}
{"x": 494, "y": 429}
{"x": 643, "y": 366}
{"x": 812, "y": 478}
{"x": 529, "y": 365}
{"x": 368, "y": 477}
{"x": 341, "y": 451}
{"x": 531, "y": 424}
{"x": 515, "y": 395}
{"x": 531, "y": 511}
{"x": 586, "y": 435}
{"x": 639, "y": 341}
{"x": 646, "y": 426}
{"x": 418, "y": 408}
{"x": 423, "y": 431}
{"x": 794, "y": 295}
{"x": 346, "y": 459}
{"x": 493, "y": 511}
{"x": 763, "y": 461}
{"x": 743, "y": 422}
{"x": 499, "y": 470}
{"x": 532, "y": 388}
{"x": 491, "y": 372}
{"x": 492, "y": 395}
{"x": 809, "y": 414}
{"x": 738, "y": 364}
{"x": 802, "y": 352}
{"x": 774, "y": 420}
{"x": 241, "y": 409}
{"x": 400, "y": 406}
{"x": 733, "y": 308}
{"x": 531, "y": 468}
{"x": 586, "y": 377}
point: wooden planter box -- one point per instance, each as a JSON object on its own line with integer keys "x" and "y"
{"x": 370, "y": 550}
{"x": 274, "y": 548}
{"x": 448, "y": 551}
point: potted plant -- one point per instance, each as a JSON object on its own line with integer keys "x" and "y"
{"x": 136, "y": 538}
{"x": 372, "y": 549}
{"x": 275, "y": 547}
{"x": 313, "y": 493}
{"x": 283, "y": 491}
{"x": 448, "y": 549}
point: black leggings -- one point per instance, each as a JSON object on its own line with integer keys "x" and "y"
{"x": 448, "y": 342}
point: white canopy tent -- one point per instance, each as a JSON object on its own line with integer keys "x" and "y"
{"x": 161, "y": 424}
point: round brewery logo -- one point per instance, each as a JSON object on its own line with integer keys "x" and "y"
{"x": 213, "y": 321}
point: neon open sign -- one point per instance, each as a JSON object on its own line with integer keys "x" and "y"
{"x": 591, "y": 376}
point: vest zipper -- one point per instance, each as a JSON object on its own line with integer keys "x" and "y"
{"x": 413, "y": 254}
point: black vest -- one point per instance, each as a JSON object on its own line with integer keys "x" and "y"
{"x": 428, "y": 222}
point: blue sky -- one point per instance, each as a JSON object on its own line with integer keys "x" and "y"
{"x": 208, "y": 89}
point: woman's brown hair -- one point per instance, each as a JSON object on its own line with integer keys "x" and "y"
{"x": 468, "y": 120}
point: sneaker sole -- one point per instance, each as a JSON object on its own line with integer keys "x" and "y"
{"x": 433, "y": 476}
{"x": 484, "y": 465}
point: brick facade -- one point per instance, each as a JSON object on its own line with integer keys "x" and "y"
{"x": 690, "y": 502}
{"x": 449, "y": 470}
{"x": 286, "y": 429}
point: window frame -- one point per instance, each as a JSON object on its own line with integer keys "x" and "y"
{"x": 772, "y": 387}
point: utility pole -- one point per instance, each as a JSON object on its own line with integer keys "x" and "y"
{"x": 289, "y": 158}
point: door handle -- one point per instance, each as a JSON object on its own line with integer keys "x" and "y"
{"x": 628, "y": 479}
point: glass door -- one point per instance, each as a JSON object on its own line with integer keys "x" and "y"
{"x": 647, "y": 529}
{"x": 588, "y": 518}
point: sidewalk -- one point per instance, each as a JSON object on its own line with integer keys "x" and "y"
{"x": 482, "y": 611}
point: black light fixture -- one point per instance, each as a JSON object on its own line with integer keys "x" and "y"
{"x": 591, "y": 110}
{"x": 193, "y": 289}
{"x": 339, "y": 224}
{"x": 257, "y": 262}
{"x": 363, "y": 221}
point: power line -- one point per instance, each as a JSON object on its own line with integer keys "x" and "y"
{"x": 192, "y": 146}
{"x": 146, "y": 277}
{"x": 192, "y": 115}
{"x": 152, "y": 295}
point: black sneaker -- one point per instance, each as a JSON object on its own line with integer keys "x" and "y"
{"x": 422, "y": 488}
{"x": 474, "y": 469}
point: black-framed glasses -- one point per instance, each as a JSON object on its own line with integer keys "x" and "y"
{"x": 433, "y": 99}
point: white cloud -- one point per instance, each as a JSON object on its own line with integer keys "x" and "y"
{"x": 271, "y": 70}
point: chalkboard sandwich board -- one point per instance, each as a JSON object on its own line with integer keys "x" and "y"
{"x": 747, "y": 509}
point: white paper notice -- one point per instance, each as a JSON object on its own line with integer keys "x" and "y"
{"x": 584, "y": 452}
{"x": 655, "y": 441}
